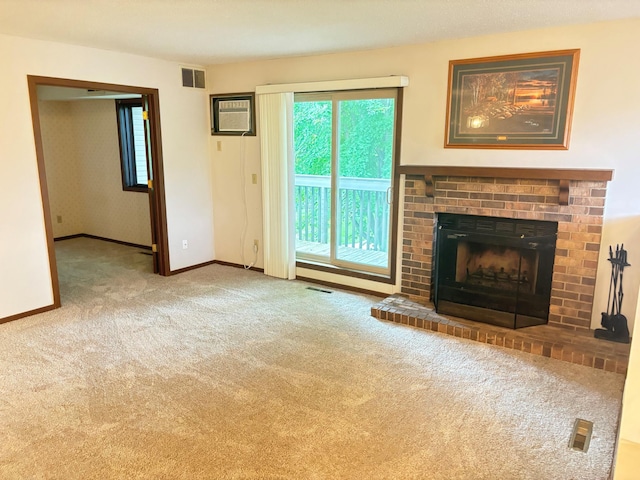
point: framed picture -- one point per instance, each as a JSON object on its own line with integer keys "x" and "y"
{"x": 233, "y": 114}
{"x": 514, "y": 101}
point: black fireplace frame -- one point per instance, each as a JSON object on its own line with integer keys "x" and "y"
{"x": 524, "y": 304}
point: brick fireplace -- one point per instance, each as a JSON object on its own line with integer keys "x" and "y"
{"x": 572, "y": 198}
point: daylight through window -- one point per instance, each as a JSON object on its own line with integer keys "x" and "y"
{"x": 133, "y": 151}
{"x": 344, "y": 145}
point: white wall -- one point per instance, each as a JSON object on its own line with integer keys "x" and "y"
{"x": 627, "y": 462}
{"x": 25, "y": 282}
{"x": 604, "y": 133}
{"x": 82, "y": 160}
{"x": 232, "y": 156}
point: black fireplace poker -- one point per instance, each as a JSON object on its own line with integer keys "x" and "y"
{"x": 615, "y": 326}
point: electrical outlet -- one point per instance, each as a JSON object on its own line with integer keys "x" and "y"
{"x": 59, "y": 218}
{"x": 185, "y": 244}
{"x": 254, "y": 178}
{"x": 219, "y": 144}
{"x": 255, "y": 244}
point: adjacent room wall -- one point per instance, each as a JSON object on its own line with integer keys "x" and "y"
{"x": 25, "y": 281}
{"x": 109, "y": 211}
{"x": 82, "y": 158}
{"x": 604, "y": 133}
{"x": 60, "y": 146}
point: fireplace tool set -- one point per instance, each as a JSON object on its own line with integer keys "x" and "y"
{"x": 614, "y": 324}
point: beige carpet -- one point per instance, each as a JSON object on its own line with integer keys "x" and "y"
{"x": 221, "y": 373}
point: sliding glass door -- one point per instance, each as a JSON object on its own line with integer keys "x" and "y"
{"x": 344, "y": 148}
{"x": 313, "y": 167}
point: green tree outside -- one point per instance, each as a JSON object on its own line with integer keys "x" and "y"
{"x": 365, "y": 151}
{"x": 365, "y": 137}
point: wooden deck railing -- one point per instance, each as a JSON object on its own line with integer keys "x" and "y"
{"x": 364, "y": 211}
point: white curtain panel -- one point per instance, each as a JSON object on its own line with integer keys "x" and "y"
{"x": 278, "y": 208}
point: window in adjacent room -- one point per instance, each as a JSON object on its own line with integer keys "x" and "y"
{"x": 133, "y": 151}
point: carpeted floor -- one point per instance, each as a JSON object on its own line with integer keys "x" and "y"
{"x": 221, "y": 373}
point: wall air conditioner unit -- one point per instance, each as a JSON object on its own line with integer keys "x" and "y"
{"x": 233, "y": 114}
{"x": 192, "y": 78}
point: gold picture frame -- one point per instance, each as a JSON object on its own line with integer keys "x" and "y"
{"x": 522, "y": 101}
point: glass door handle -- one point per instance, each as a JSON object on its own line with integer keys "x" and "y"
{"x": 389, "y": 195}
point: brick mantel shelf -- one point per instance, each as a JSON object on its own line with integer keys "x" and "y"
{"x": 562, "y": 175}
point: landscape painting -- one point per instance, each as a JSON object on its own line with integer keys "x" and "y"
{"x": 515, "y": 101}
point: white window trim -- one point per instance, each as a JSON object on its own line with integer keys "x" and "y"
{"x": 333, "y": 85}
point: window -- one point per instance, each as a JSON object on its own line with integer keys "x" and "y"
{"x": 344, "y": 146}
{"x": 133, "y": 150}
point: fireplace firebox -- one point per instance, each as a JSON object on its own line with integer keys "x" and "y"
{"x": 494, "y": 270}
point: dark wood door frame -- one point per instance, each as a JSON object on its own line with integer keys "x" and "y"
{"x": 157, "y": 193}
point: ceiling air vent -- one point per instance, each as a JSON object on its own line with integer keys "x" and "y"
{"x": 192, "y": 78}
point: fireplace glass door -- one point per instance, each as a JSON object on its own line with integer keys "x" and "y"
{"x": 494, "y": 270}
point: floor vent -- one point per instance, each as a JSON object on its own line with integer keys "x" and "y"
{"x": 581, "y": 435}
{"x": 319, "y": 290}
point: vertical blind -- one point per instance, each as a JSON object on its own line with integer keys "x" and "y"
{"x": 276, "y": 148}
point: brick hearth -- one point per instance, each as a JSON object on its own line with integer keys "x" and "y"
{"x": 577, "y": 247}
{"x": 578, "y": 347}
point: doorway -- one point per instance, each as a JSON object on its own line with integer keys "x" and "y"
{"x": 155, "y": 187}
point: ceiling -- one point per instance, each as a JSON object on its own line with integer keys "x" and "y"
{"x": 206, "y": 32}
